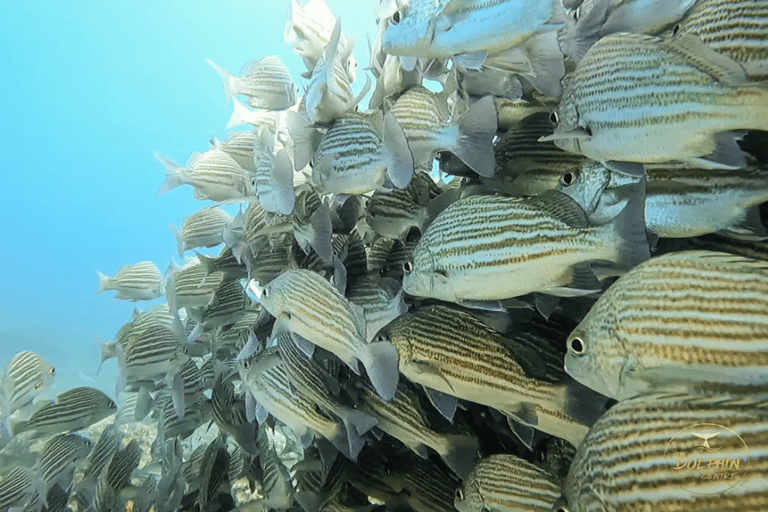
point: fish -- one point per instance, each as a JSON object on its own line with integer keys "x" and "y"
{"x": 678, "y": 198}
{"x": 735, "y": 29}
{"x": 74, "y": 409}
{"x": 27, "y": 375}
{"x": 109, "y": 442}
{"x": 154, "y": 353}
{"x": 139, "y": 281}
{"x": 480, "y": 247}
{"x": 214, "y": 175}
{"x": 381, "y": 299}
{"x": 192, "y": 286}
{"x": 303, "y": 303}
{"x": 694, "y": 112}
{"x": 230, "y": 415}
{"x": 359, "y": 153}
{"x": 17, "y": 489}
{"x": 630, "y": 456}
{"x": 115, "y": 477}
{"x": 61, "y": 455}
{"x": 238, "y": 145}
{"x": 430, "y": 126}
{"x": 204, "y": 228}
{"x": 507, "y": 482}
{"x": 687, "y": 319}
{"x": 266, "y": 81}
{"x": 274, "y": 174}
{"x": 468, "y": 28}
{"x": 452, "y": 352}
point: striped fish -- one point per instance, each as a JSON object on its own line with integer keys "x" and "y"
{"x": 392, "y": 214}
{"x": 507, "y": 482}
{"x": 736, "y": 28}
{"x": 225, "y": 262}
{"x": 428, "y": 487}
{"x": 747, "y": 248}
{"x": 204, "y": 228}
{"x": 192, "y": 286}
{"x": 266, "y": 81}
{"x": 115, "y": 476}
{"x": 381, "y": 299}
{"x": 484, "y": 248}
{"x": 109, "y": 442}
{"x": 17, "y": 488}
{"x": 154, "y": 352}
{"x": 403, "y": 419}
{"x": 230, "y": 415}
{"x": 214, "y": 175}
{"x": 228, "y": 304}
{"x": 139, "y": 281}
{"x": 688, "y": 112}
{"x": 277, "y": 483}
{"x": 171, "y": 425}
{"x": 238, "y": 145}
{"x": 359, "y": 152}
{"x": 510, "y": 112}
{"x": 666, "y": 452}
{"x": 429, "y": 127}
{"x": 447, "y": 350}
{"x": 273, "y": 175}
{"x": 679, "y": 198}
{"x": 73, "y": 409}
{"x": 685, "y": 318}
{"x": 215, "y": 465}
{"x": 26, "y": 376}
{"x": 60, "y": 457}
{"x": 309, "y": 306}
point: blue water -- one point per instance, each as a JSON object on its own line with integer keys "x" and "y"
{"x": 88, "y": 93}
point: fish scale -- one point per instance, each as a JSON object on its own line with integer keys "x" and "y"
{"x": 694, "y": 311}
{"x": 625, "y": 463}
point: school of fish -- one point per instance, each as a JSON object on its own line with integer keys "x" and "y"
{"x": 531, "y": 274}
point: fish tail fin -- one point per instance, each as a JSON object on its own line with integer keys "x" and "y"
{"x": 282, "y": 179}
{"x": 474, "y": 143}
{"x": 547, "y": 63}
{"x": 227, "y": 79}
{"x": 301, "y": 133}
{"x": 461, "y": 453}
{"x": 629, "y": 225}
{"x": 104, "y": 282}
{"x": 381, "y": 363}
{"x": 239, "y": 114}
{"x": 108, "y": 351}
{"x": 400, "y": 167}
{"x": 356, "y": 424}
{"x": 179, "y": 241}
{"x": 174, "y": 173}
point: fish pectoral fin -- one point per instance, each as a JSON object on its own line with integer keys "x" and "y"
{"x": 444, "y": 403}
{"x": 428, "y": 369}
{"x": 473, "y": 60}
{"x": 727, "y": 153}
{"x": 577, "y": 133}
{"x": 304, "y": 345}
{"x": 633, "y": 169}
{"x": 562, "y": 207}
{"x": 525, "y": 433}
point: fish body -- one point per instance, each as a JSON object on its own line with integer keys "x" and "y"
{"x": 492, "y": 247}
{"x": 60, "y": 457}
{"x": 671, "y": 99}
{"x": 452, "y": 352}
{"x": 642, "y": 454}
{"x": 238, "y": 145}
{"x": 266, "y": 81}
{"x": 308, "y": 305}
{"x": 26, "y": 376}
{"x": 204, "y": 228}
{"x": 381, "y": 299}
{"x": 139, "y": 281}
{"x": 192, "y": 286}
{"x": 17, "y": 489}
{"x": 683, "y": 319}
{"x": 507, "y": 482}
{"x": 73, "y": 409}
{"x": 214, "y": 175}
{"x": 444, "y": 28}
{"x": 359, "y": 152}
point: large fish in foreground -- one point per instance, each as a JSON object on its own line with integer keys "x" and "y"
{"x": 683, "y": 319}
{"x": 485, "y": 248}
{"x": 670, "y": 99}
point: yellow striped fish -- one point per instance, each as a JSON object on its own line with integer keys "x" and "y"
{"x": 214, "y": 175}
{"x": 684, "y": 318}
{"x": 490, "y": 247}
{"x": 306, "y": 304}
{"x": 506, "y": 482}
{"x": 266, "y": 81}
{"x": 667, "y": 452}
{"x": 452, "y": 352}
{"x": 736, "y": 28}
{"x": 670, "y": 99}
{"x": 139, "y": 281}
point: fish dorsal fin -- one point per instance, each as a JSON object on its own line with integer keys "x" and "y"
{"x": 720, "y": 67}
{"x": 562, "y": 207}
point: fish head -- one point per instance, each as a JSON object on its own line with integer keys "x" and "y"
{"x": 468, "y": 497}
{"x": 595, "y": 357}
{"x": 398, "y": 334}
{"x": 270, "y": 296}
{"x": 585, "y": 184}
{"x": 570, "y": 130}
{"x": 409, "y": 32}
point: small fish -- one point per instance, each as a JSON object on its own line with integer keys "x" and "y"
{"x": 230, "y": 415}
{"x": 359, "y": 153}
{"x": 485, "y": 248}
{"x": 692, "y": 112}
{"x": 682, "y": 319}
{"x": 656, "y": 429}
{"x": 192, "y": 286}
{"x": 274, "y": 174}
{"x": 116, "y": 476}
{"x": 507, "y": 482}
{"x": 73, "y": 409}
{"x": 430, "y": 127}
{"x": 303, "y": 302}
{"x": 238, "y": 145}
{"x": 139, "y": 281}
{"x": 26, "y": 376}
{"x": 109, "y": 442}
{"x": 214, "y": 175}
{"x": 266, "y": 81}
{"x": 381, "y": 299}
{"x": 18, "y": 489}
{"x": 204, "y": 228}
{"x": 471, "y": 29}
{"x": 61, "y": 455}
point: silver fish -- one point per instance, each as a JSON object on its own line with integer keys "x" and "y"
{"x": 266, "y": 81}
{"x": 204, "y": 228}
{"x": 214, "y": 175}
{"x": 73, "y": 409}
{"x": 683, "y": 319}
{"x": 381, "y": 299}
{"x": 139, "y": 281}
{"x": 17, "y": 489}
{"x": 691, "y": 112}
{"x": 309, "y": 306}
{"x": 26, "y": 376}
{"x": 238, "y": 145}
{"x": 507, "y": 482}
{"x": 60, "y": 457}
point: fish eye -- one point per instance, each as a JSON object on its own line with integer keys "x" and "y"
{"x": 459, "y": 494}
{"x": 407, "y": 267}
{"x": 52, "y": 370}
{"x": 567, "y": 179}
{"x": 554, "y": 117}
{"x": 264, "y": 293}
{"x": 382, "y": 337}
{"x": 575, "y": 14}
{"x": 675, "y": 30}
{"x": 246, "y": 364}
{"x": 577, "y": 346}
{"x": 396, "y": 18}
